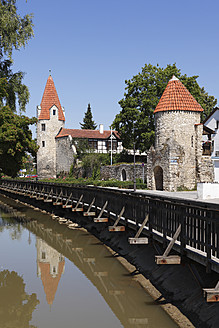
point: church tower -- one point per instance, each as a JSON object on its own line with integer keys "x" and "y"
{"x": 51, "y": 118}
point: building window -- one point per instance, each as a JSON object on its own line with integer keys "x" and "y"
{"x": 191, "y": 141}
{"x": 54, "y": 270}
{"x": 43, "y": 255}
{"x": 43, "y": 127}
{"x": 114, "y": 145}
{"x": 92, "y": 143}
{"x": 43, "y": 143}
{"x": 54, "y": 112}
{"x": 217, "y": 125}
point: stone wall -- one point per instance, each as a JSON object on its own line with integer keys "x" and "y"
{"x": 64, "y": 154}
{"x": 123, "y": 172}
{"x": 177, "y": 161}
{"x": 46, "y": 156}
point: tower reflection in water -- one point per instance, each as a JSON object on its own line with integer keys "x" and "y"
{"x": 50, "y": 267}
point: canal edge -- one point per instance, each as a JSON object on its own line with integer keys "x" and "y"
{"x": 175, "y": 314}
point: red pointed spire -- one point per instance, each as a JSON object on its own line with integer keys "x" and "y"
{"x": 177, "y": 97}
{"x": 50, "y": 98}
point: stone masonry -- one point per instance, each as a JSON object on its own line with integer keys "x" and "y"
{"x": 176, "y": 160}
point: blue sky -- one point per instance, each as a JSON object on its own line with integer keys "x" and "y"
{"x": 93, "y": 46}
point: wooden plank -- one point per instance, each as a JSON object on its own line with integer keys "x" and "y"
{"x": 212, "y": 294}
{"x": 89, "y": 259}
{"x": 66, "y": 206}
{"x": 57, "y": 204}
{"x": 172, "y": 259}
{"x": 101, "y": 274}
{"x": 138, "y": 321}
{"x": 79, "y": 209}
{"x": 116, "y": 292}
{"x": 141, "y": 240}
{"x": 89, "y": 213}
{"x": 117, "y": 228}
{"x": 100, "y": 220}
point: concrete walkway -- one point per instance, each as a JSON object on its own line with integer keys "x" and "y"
{"x": 188, "y": 195}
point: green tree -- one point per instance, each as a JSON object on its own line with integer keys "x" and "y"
{"x": 15, "y": 140}
{"x": 143, "y": 92}
{"x": 88, "y": 123}
{"x": 15, "y": 135}
{"x": 15, "y": 32}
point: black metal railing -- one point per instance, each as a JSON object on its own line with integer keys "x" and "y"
{"x": 199, "y": 236}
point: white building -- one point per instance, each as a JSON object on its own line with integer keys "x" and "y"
{"x": 212, "y": 122}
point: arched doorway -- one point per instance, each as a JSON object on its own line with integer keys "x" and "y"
{"x": 158, "y": 177}
{"x": 123, "y": 175}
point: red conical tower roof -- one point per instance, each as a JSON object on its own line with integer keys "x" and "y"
{"x": 177, "y": 97}
{"x": 50, "y": 283}
{"x": 50, "y": 98}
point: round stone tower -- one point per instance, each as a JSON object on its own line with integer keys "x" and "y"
{"x": 51, "y": 119}
{"x": 172, "y": 162}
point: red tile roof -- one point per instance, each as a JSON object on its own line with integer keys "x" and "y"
{"x": 177, "y": 97}
{"x": 50, "y": 98}
{"x": 90, "y": 134}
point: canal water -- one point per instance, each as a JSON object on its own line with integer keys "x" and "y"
{"x": 52, "y": 277}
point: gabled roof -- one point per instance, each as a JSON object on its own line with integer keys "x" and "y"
{"x": 50, "y": 98}
{"x": 177, "y": 97}
{"x": 212, "y": 112}
{"x": 88, "y": 134}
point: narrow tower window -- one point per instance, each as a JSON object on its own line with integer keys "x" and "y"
{"x": 54, "y": 112}
{"x": 191, "y": 141}
{"x": 43, "y": 143}
{"x": 43, "y": 127}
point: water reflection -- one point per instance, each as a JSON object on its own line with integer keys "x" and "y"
{"x": 15, "y": 228}
{"x": 16, "y": 306}
{"x": 132, "y": 306}
{"x": 56, "y": 245}
{"x": 50, "y": 267}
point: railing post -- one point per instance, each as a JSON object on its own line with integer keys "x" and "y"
{"x": 183, "y": 231}
{"x": 150, "y": 220}
{"x": 208, "y": 245}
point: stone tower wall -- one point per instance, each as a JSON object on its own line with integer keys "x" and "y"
{"x": 181, "y": 131}
{"x": 179, "y": 125}
{"x": 64, "y": 154}
{"x": 46, "y": 156}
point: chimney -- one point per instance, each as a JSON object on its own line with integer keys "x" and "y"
{"x": 101, "y": 128}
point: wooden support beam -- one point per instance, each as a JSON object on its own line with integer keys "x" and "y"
{"x": 136, "y": 239}
{"x": 57, "y": 202}
{"x": 76, "y": 208}
{"x": 49, "y": 197}
{"x": 173, "y": 259}
{"x": 41, "y": 197}
{"x": 89, "y": 213}
{"x": 58, "y": 199}
{"x": 66, "y": 205}
{"x": 115, "y": 228}
{"x": 212, "y": 294}
{"x": 99, "y": 219}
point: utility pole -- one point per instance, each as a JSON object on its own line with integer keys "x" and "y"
{"x": 134, "y": 155}
{"x": 111, "y": 137}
